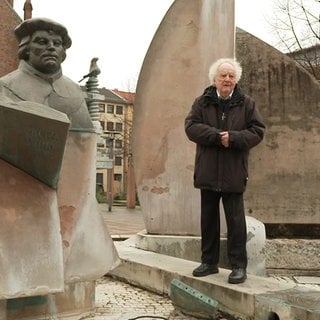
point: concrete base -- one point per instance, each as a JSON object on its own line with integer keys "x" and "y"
{"x": 155, "y": 272}
{"x": 77, "y": 300}
{"x": 277, "y": 257}
{"x": 293, "y": 257}
{"x": 296, "y": 303}
{"x": 189, "y": 247}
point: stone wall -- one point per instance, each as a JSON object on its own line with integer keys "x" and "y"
{"x": 284, "y": 169}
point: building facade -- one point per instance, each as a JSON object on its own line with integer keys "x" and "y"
{"x": 115, "y": 114}
{"x": 129, "y": 179}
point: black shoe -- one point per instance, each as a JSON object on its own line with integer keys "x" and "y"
{"x": 238, "y": 275}
{"x": 205, "y": 269}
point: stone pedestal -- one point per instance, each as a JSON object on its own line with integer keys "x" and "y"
{"x": 31, "y": 247}
{"x": 75, "y": 302}
{"x": 189, "y": 248}
{"x": 88, "y": 249}
{"x": 54, "y": 243}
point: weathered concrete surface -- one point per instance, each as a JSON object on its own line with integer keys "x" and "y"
{"x": 191, "y": 36}
{"x": 297, "y": 303}
{"x": 82, "y": 228}
{"x": 32, "y": 138}
{"x": 155, "y": 272}
{"x": 76, "y": 302}
{"x": 284, "y": 170}
{"x": 285, "y": 167}
{"x": 31, "y": 246}
{"x": 293, "y": 256}
{"x": 187, "y": 247}
{"x": 277, "y": 256}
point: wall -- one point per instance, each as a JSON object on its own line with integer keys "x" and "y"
{"x": 8, "y": 44}
{"x": 285, "y": 168}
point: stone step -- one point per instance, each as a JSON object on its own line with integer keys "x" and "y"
{"x": 258, "y": 298}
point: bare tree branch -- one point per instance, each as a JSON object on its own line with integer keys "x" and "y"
{"x": 296, "y": 25}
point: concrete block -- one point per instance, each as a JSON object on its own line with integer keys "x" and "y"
{"x": 298, "y": 256}
{"x": 155, "y": 272}
{"x": 189, "y": 247}
{"x": 297, "y": 303}
{"x": 192, "y": 301}
{"x": 256, "y": 246}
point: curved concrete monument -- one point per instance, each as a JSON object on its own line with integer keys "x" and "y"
{"x": 191, "y": 36}
{"x": 285, "y": 168}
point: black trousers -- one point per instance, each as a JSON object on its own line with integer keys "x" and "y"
{"x": 236, "y": 227}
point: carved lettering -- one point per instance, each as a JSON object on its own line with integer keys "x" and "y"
{"x": 41, "y": 139}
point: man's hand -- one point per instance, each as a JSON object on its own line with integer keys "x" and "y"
{"x": 224, "y": 135}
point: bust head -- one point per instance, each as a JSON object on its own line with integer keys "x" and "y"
{"x": 42, "y": 43}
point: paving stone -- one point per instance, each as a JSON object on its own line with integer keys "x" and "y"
{"x": 116, "y": 300}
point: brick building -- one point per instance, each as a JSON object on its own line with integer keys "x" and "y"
{"x": 9, "y": 19}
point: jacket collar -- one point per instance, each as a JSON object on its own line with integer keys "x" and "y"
{"x": 27, "y": 68}
{"x": 210, "y": 96}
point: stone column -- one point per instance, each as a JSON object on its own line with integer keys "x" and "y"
{"x": 93, "y": 97}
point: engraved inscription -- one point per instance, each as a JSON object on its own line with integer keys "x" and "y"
{"x": 41, "y": 139}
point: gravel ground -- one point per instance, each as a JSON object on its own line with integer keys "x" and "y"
{"x": 116, "y": 300}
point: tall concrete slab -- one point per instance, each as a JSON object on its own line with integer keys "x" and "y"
{"x": 31, "y": 247}
{"x": 82, "y": 228}
{"x": 285, "y": 168}
{"x": 191, "y": 36}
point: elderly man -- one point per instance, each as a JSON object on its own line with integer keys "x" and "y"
{"x": 88, "y": 251}
{"x": 225, "y": 124}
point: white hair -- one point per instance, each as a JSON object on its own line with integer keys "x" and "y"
{"x": 213, "y": 70}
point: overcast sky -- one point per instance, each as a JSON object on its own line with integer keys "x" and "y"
{"x": 119, "y": 32}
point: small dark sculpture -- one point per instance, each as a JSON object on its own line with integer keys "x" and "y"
{"x": 94, "y": 70}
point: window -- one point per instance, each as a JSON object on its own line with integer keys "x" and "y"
{"x": 117, "y": 177}
{"x": 118, "y": 126}
{"x": 99, "y": 178}
{"x": 109, "y": 126}
{"x": 119, "y": 109}
{"x": 118, "y": 143}
{"x": 99, "y": 183}
{"x": 102, "y": 125}
{"x": 117, "y": 161}
{"x": 101, "y": 107}
{"x": 110, "y": 108}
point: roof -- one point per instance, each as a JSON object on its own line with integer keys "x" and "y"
{"x": 112, "y": 97}
{"x": 129, "y": 96}
{"x": 314, "y": 48}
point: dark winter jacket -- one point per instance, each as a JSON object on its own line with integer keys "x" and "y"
{"x": 216, "y": 167}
